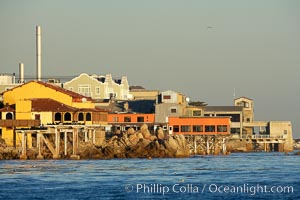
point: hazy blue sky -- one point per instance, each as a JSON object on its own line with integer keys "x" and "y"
{"x": 203, "y": 49}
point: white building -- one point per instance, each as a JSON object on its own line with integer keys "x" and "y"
{"x": 99, "y": 86}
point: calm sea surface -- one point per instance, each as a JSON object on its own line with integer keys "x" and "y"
{"x": 238, "y": 176}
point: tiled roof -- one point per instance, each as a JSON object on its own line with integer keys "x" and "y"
{"x": 50, "y": 105}
{"x": 40, "y": 105}
{"x": 8, "y": 109}
{"x": 223, "y": 108}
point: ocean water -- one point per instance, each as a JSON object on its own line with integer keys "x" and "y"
{"x": 237, "y": 176}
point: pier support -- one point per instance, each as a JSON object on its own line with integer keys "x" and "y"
{"x": 53, "y": 136}
{"x": 207, "y": 144}
{"x": 75, "y": 145}
{"x": 23, "y": 155}
{"x": 66, "y": 142}
{"x": 94, "y": 136}
{"x": 86, "y": 139}
{"x": 57, "y": 144}
{"x": 224, "y": 151}
{"x": 39, "y": 145}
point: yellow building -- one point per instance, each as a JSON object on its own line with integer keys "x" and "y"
{"x": 37, "y": 103}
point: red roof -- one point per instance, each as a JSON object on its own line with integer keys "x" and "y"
{"x": 74, "y": 95}
{"x": 40, "y": 105}
{"x": 46, "y": 104}
{"x": 8, "y": 108}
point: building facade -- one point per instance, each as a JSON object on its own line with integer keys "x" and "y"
{"x": 199, "y": 125}
{"x": 36, "y": 103}
{"x": 99, "y": 87}
{"x": 123, "y": 121}
{"x": 169, "y": 104}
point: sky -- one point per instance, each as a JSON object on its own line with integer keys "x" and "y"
{"x": 202, "y": 48}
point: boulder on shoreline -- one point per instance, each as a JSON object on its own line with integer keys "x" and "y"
{"x": 140, "y": 144}
{"x": 8, "y": 153}
{"x": 130, "y": 144}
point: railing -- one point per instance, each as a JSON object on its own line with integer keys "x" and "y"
{"x": 262, "y": 137}
{"x": 19, "y": 123}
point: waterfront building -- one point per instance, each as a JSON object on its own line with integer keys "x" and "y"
{"x": 99, "y": 87}
{"x": 199, "y": 125}
{"x": 36, "y": 103}
{"x": 234, "y": 112}
{"x": 248, "y": 108}
{"x": 194, "y": 111}
{"x": 124, "y": 121}
{"x": 169, "y": 104}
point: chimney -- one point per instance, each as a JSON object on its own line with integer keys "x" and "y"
{"x": 38, "y": 54}
{"x": 21, "y": 72}
{"x": 126, "y": 107}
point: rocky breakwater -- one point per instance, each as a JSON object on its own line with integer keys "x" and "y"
{"x": 8, "y": 153}
{"x": 140, "y": 144}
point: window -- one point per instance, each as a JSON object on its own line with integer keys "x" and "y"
{"x": 210, "y": 128}
{"x": 196, "y": 113}
{"x": 167, "y": 97}
{"x": 112, "y": 95}
{"x": 88, "y": 117}
{"x": 285, "y": 132}
{"x": 248, "y": 119}
{"x": 175, "y": 129}
{"x": 80, "y": 117}
{"x": 67, "y": 117}
{"x": 233, "y": 117}
{"x": 173, "y": 110}
{"x": 37, "y": 117}
{"x": 115, "y": 119}
{"x": 84, "y": 90}
{"x": 71, "y": 88}
{"x": 9, "y": 116}
{"x": 97, "y": 90}
{"x": 140, "y": 119}
{"x": 57, "y": 117}
{"x": 185, "y": 128}
{"x": 127, "y": 119}
{"x": 235, "y": 131}
{"x": 222, "y": 128}
{"x": 197, "y": 128}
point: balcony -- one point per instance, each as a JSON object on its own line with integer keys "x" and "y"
{"x": 19, "y": 123}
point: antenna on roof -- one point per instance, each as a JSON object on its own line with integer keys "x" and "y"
{"x": 233, "y": 93}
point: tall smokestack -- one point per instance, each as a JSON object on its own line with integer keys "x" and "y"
{"x": 38, "y": 54}
{"x": 21, "y": 72}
